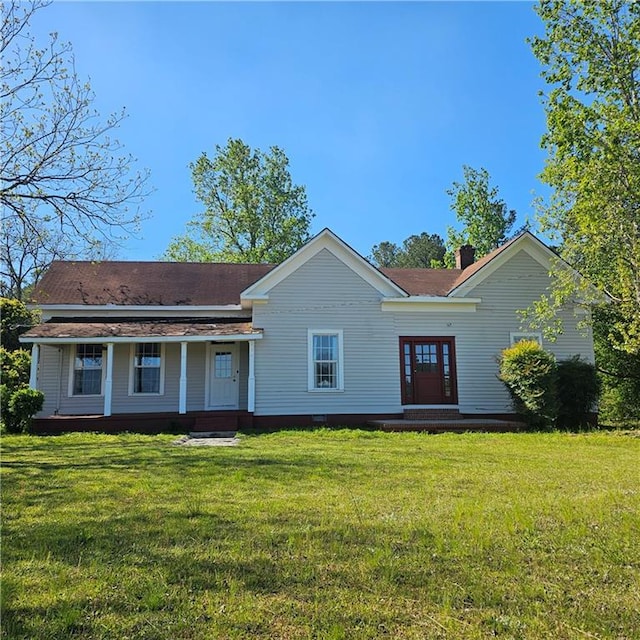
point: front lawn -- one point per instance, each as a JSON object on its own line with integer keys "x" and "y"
{"x": 343, "y": 534}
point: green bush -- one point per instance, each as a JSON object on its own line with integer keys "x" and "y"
{"x": 23, "y": 405}
{"x": 18, "y": 403}
{"x": 530, "y": 375}
{"x": 578, "y": 390}
{"x": 14, "y": 367}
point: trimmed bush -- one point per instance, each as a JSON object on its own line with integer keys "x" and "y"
{"x": 530, "y": 375}
{"x": 578, "y": 392}
{"x": 23, "y": 405}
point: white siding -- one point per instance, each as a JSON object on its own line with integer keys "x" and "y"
{"x": 514, "y": 286}
{"x": 325, "y": 294}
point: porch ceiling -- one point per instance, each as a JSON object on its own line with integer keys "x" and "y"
{"x": 122, "y": 331}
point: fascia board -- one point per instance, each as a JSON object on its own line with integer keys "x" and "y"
{"x": 127, "y": 340}
{"x": 326, "y": 239}
{"x": 156, "y": 309}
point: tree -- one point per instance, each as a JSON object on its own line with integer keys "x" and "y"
{"x": 485, "y": 219}
{"x": 417, "y": 251}
{"x": 253, "y": 211}
{"x": 15, "y": 319}
{"x": 62, "y": 174}
{"x": 27, "y": 248}
{"x": 591, "y": 58}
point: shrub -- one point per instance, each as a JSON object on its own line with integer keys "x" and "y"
{"x": 578, "y": 392}
{"x": 530, "y": 374}
{"x": 18, "y": 403}
{"x": 14, "y": 367}
{"x": 23, "y": 405}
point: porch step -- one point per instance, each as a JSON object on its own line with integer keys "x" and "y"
{"x": 432, "y": 414}
{"x": 215, "y": 423}
{"x": 442, "y": 426}
{"x": 447, "y": 426}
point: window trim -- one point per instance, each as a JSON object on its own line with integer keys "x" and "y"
{"x": 73, "y": 351}
{"x": 518, "y": 336}
{"x": 311, "y": 388}
{"x": 132, "y": 357}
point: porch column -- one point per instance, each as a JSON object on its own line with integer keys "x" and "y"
{"x": 33, "y": 372}
{"x": 108, "y": 381}
{"x": 182, "y": 404}
{"x": 251, "y": 383}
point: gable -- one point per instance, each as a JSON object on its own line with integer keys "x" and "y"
{"x": 479, "y": 271}
{"x": 324, "y": 241}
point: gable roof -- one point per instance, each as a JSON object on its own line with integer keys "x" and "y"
{"x": 123, "y": 283}
{"x": 475, "y": 273}
{"x": 328, "y": 240}
{"x": 146, "y": 283}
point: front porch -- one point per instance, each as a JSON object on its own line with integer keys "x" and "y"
{"x": 138, "y": 372}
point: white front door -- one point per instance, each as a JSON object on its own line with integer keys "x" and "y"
{"x": 224, "y": 378}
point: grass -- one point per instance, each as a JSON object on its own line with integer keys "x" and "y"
{"x": 325, "y": 534}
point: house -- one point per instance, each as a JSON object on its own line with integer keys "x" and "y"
{"x": 323, "y": 337}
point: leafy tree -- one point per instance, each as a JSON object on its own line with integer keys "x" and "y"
{"x": 61, "y": 171}
{"x": 27, "y": 248}
{"x": 253, "y": 211}
{"x": 618, "y": 369}
{"x": 417, "y": 251}
{"x": 591, "y": 58}
{"x": 485, "y": 219}
{"x": 15, "y": 319}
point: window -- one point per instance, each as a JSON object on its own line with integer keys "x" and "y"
{"x": 519, "y": 336}
{"x": 325, "y": 361}
{"x": 147, "y": 371}
{"x": 87, "y": 370}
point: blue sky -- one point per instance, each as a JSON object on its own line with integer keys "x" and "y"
{"x": 377, "y": 105}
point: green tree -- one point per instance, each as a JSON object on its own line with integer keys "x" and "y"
{"x": 484, "y": 218}
{"x": 253, "y": 211}
{"x": 15, "y": 319}
{"x": 590, "y": 54}
{"x": 62, "y": 174}
{"x": 417, "y": 251}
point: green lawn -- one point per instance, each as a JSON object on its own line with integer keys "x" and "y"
{"x": 325, "y": 534}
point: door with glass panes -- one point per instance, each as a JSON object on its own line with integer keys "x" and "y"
{"x": 224, "y": 376}
{"x": 428, "y": 370}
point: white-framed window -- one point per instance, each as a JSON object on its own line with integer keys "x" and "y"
{"x": 519, "y": 336}
{"x": 146, "y": 372}
{"x": 326, "y": 360}
{"x": 87, "y": 371}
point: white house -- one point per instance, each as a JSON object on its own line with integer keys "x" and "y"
{"x": 323, "y": 337}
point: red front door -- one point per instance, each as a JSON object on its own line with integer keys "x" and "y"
{"x": 428, "y": 371}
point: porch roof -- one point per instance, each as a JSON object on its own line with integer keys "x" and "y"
{"x": 148, "y": 331}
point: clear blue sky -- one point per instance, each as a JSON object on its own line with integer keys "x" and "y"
{"x": 377, "y": 105}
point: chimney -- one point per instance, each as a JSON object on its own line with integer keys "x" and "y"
{"x": 465, "y": 256}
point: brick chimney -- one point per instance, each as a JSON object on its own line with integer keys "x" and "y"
{"x": 465, "y": 256}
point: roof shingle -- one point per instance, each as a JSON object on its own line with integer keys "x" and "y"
{"x": 146, "y": 283}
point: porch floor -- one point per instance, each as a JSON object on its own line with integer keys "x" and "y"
{"x": 458, "y": 425}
